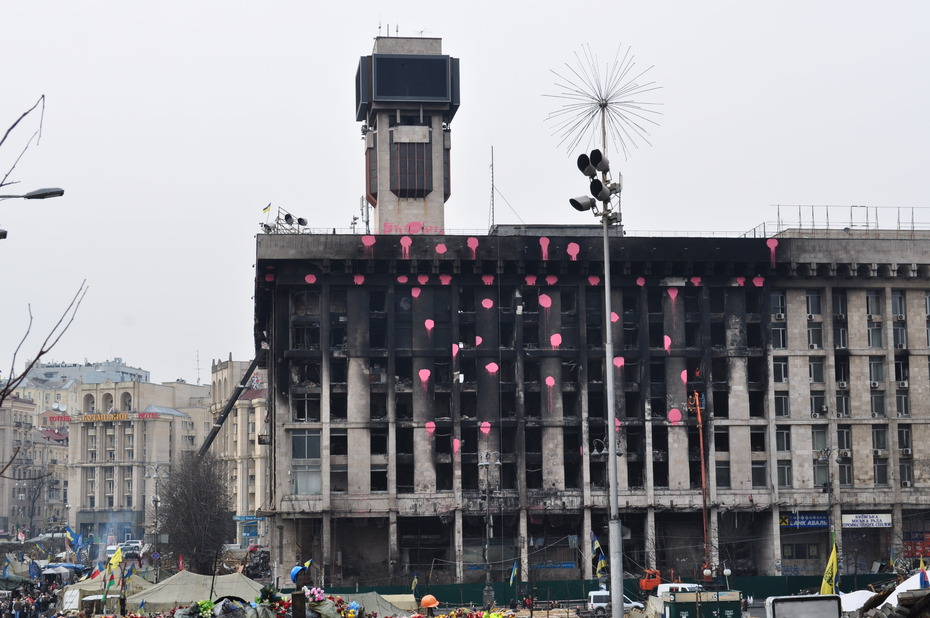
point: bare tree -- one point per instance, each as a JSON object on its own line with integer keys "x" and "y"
{"x": 196, "y": 511}
{"x": 36, "y": 136}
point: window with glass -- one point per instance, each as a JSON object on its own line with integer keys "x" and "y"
{"x": 779, "y": 336}
{"x": 899, "y": 335}
{"x": 723, "y": 474}
{"x": 845, "y": 473}
{"x": 898, "y": 304}
{"x": 818, "y": 403}
{"x": 906, "y": 471}
{"x": 880, "y": 471}
{"x": 780, "y": 369}
{"x": 815, "y": 335}
{"x": 842, "y": 404}
{"x": 901, "y": 369}
{"x": 782, "y": 438}
{"x": 759, "y": 476}
{"x": 305, "y": 453}
{"x": 815, "y": 369}
{"x": 721, "y": 439}
{"x": 782, "y": 404}
{"x": 877, "y": 400}
{"x": 757, "y": 439}
{"x": 875, "y": 334}
{"x": 874, "y": 302}
{"x": 784, "y": 472}
{"x": 879, "y": 437}
{"x": 902, "y": 403}
{"x": 839, "y": 304}
{"x": 840, "y": 336}
{"x": 819, "y": 437}
{"x": 813, "y": 302}
{"x": 779, "y": 302}
{"x": 904, "y": 436}
{"x": 821, "y": 472}
{"x": 876, "y": 369}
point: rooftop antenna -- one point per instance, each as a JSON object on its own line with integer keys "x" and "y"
{"x": 492, "y": 186}
{"x": 603, "y": 102}
{"x": 198, "y": 366}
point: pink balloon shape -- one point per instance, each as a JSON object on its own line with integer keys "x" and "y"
{"x": 487, "y": 303}
{"x": 551, "y": 279}
{"x": 485, "y": 427}
{"x": 269, "y": 277}
{"x": 368, "y": 240}
{"x": 550, "y": 381}
{"x": 614, "y": 317}
{"x": 594, "y": 280}
{"x": 674, "y": 416}
{"x": 696, "y": 281}
{"x": 673, "y": 293}
{"x": 640, "y": 281}
{"x": 402, "y": 279}
{"x": 440, "y": 248}
{"x": 544, "y": 301}
{"x": 456, "y": 445}
{"x": 572, "y": 250}
{"x": 423, "y": 279}
{"x": 487, "y": 279}
{"x": 310, "y": 278}
{"x": 531, "y": 280}
{"x": 429, "y": 324}
{"x": 741, "y": 281}
{"x": 555, "y": 340}
{"x": 415, "y": 292}
{"x": 455, "y": 350}
{"x": 668, "y": 342}
{"x": 430, "y": 427}
{"x": 359, "y": 279}
{"x": 424, "y": 375}
{"x": 445, "y": 279}
{"x": 478, "y": 340}
{"x": 619, "y": 361}
{"x": 492, "y": 367}
{"x": 758, "y": 281}
{"x": 684, "y": 376}
{"x": 544, "y": 246}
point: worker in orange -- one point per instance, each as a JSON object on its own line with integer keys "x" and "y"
{"x": 429, "y": 602}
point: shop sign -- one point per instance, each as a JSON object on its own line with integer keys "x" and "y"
{"x": 804, "y": 520}
{"x": 867, "y": 520}
{"x": 59, "y": 419}
{"x": 93, "y": 418}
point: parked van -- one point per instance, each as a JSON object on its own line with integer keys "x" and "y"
{"x": 599, "y": 603}
{"x": 111, "y": 549}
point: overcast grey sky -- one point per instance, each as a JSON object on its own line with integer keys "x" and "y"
{"x": 172, "y": 124}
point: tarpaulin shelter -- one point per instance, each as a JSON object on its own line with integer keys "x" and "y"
{"x": 71, "y": 596}
{"x": 185, "y": 587}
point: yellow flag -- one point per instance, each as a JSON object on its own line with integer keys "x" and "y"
{"x": 117, "y": 558}
{"x": 828, "y": 586}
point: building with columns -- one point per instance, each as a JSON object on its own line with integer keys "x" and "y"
{"x": 123, "y": 439}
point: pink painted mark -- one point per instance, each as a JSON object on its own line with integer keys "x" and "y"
{"x": 640, "y": 281}
{"x": 695, "y": 281}
{"x": 619, "y": 361}
{"x": 551, "y": 280}
{"x": 415, "y": 292}
{"x": 555, "y": 340}
{"x": 456, "y": 445}
{"x": 673, "y": 294}
{"x": 544, "y": 245}
{"x": 478, "y": 340}
{"x": 674, "y": 416}
{"x": 455, "y": 350}
{"x": 423, "y": 279}
{"x": 594, "y": 280}
{"x": 531, "y": 280}
{"x": 402, "y": 279}
{"x": 269, "y": 277}
{"x": 429, "y": 324}
{"x": 550, "y": 381}
{"x": 472, "y": 244}
{"x": 492, "y": 367}
{"x": 771, "y": 243}
{"x": 310, "y": 278}
{"x": 617, "y": 425}
{"x": 666, "y": 342}
{"x": 485, "y": 427}
{"x": 430, "y": 427}
{"x": 758, "y": 281}
{"x": 369, "y": 241}
{"x": 741, "y": 281}
{"x": 573, "y": 250}
{"x": 445, "y": 279}
{"x": 545, "y": 301}
{"x": 684, "y": 376}
{"x": 441, "y": 248}
{"x": 487, "y": 303}
{"x": 405, "y": 243}
{"x": 359, "y": 279}
{"x": 488, "y": 279}
{"x": 424, "y": 376}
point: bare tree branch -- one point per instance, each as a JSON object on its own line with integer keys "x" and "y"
{"x": 51, "y": 339}
{"x": 35, "y": 136}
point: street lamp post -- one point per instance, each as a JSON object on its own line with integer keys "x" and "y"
{"x": 38, "y": 194}
{"x": 156, "y": 472}
{"x": 485, "y": 464}
{"x": 604, "y": 191}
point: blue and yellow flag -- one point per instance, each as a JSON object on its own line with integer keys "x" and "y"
{"x": 513, "y": 573}
{"x": 413, "y": 584}
{"x": 601, "y": 565}
{"x": 267, "y": 208}
{"x": 828, "y": 585}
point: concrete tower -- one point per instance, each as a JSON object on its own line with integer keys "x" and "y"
{"x": 406, "y": 94}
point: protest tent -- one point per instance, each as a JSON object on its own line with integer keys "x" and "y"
{"x": 73, "y": 595}
{"x": 185, "y": 587}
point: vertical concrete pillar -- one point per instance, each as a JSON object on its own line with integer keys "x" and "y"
{"x": 650, "y": 534}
